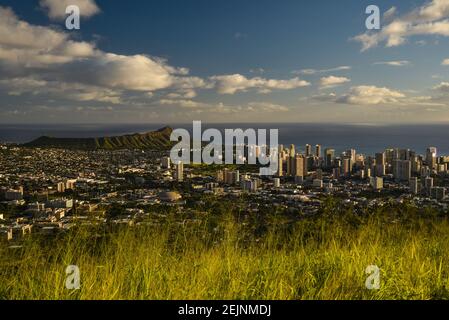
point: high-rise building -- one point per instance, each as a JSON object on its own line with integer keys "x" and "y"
{"x": 431, "y": 157}
{"x": 237, "y": 176}
{"x": 416, "y": 164}
{"x": 403, "y": 170}
{"x": 280, "y": 164}
{"x": 414, "y": 185}
{"x": 404, "y": 154}
{"x": 441, "y": 168}
{"x": 336, "y": 173}
{"x": 308, "y": 162}
{"x": 380, "y": 158}
{"x": 299, "y": 166}
{"x": 277, "y": 182}
{"x": 329, "y": 158}
{"x": 281, "y": 148}
{"x": 380, "y": 170}
{"x": 292, "y": 151}
{"x": 291, "y": 161}
{"x": 165, "y": 162}
{"x": 389, "y": 156}
{"x": 352, "y": 153}
{"x": 180, "y": 171}
{"x": 368, "y": 172}
{"x": 428, "y": 184}
{"x": 308, "y": 150}
{"x": 346, "y": 167}
{"x": 318, "y": 151}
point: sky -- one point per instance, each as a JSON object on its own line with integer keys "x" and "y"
{"x": 166, "y": 61}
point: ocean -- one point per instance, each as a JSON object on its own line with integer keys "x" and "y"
{"x": 366, "y": 139}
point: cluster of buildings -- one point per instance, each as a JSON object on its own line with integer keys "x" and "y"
{"x": 403, "y": 166}
{"x": 51, "y": 190}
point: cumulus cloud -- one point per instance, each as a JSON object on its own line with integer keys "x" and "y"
{"x": 443, "y": 86}
{"x": 333, "y": 81}
{"x": 58, "y": 90}
{"x": 445, "y": 62}
{"x": 432, "y": 18}
{"x": 56, "y": 9}
{"x": 399, "y": 63}
{"x": 371, "y": 95}
{"x": 231, "y": 84}
{"x": 45, "y": 61}
{"x": 41, "y": 60}
{"x": 138, "y": 72}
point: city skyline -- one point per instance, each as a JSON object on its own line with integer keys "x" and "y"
{"x": 170, "y": 62}
{"x": 225, "y": 152}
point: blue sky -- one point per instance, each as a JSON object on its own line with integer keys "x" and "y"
{"x": 247, "y": 61}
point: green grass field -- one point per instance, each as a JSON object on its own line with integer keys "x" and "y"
{"x": 220, "y": 258}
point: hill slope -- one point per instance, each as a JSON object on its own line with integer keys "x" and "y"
{"x": 155, "y": 140}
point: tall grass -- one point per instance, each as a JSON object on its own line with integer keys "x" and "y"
{"x": 316, "y": 258}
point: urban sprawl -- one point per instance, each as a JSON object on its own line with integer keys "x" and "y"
{"x": 47, "y": 191}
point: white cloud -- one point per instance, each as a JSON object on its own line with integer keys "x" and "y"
{"x": 315, "y": 71}
{"x": 399, "y": 63}
{"x": 60, "y": 90}
{"x": 325, "y": 97}
{"x": 259, "y": 107}
{"x": 389, "y": 14}
{"x": 57, "y": 8}
{"x": 138, "y": 72}
{"x": 431, "y": 18}
{"x": 266, "y": 107}
{"x": 183, "y": 103}
{"x": 230, "y": 84}
{"x": 35, "y": 55}
{"x": 371, "y": 95}
{"x": 332, "y": 81}
{"x": 443, "y": 87}
{"x": 80, "y": 71}
{"x": 445, "y": 62}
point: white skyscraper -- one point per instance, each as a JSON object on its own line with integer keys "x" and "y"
{"x": 180, "y": 171}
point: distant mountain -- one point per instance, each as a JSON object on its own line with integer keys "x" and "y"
{"x": 155, "y": 140}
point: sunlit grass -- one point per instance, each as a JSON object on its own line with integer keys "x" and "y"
{"x": 321, "y": 258}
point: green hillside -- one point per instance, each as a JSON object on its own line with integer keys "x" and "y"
{"x": 155, "y": 140}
